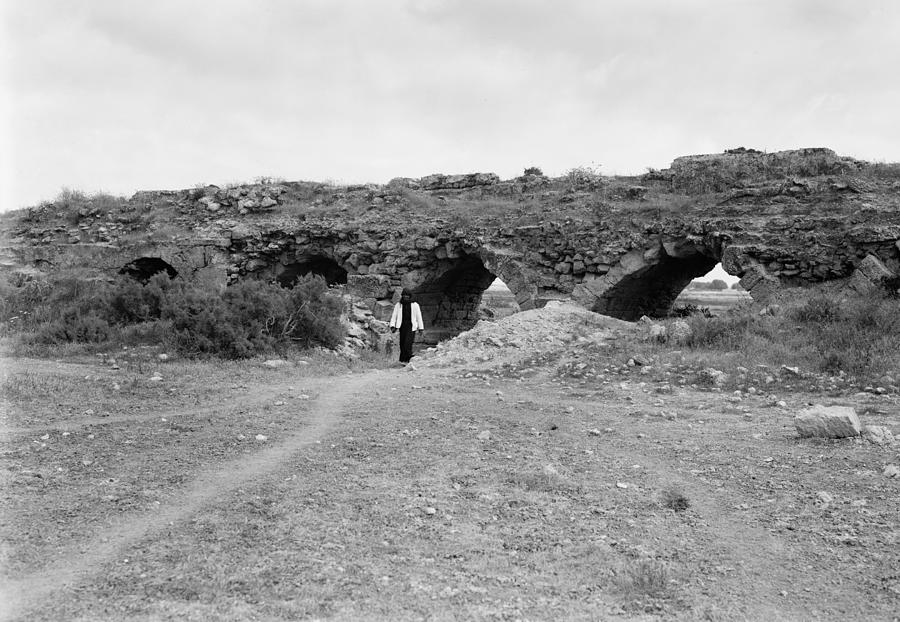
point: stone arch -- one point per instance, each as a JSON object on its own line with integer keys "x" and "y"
{"x": 450, "y": 292}
{"x": 287, "y": 274}
{"x": 647, "y": 282}
{"x": 144, "y": 268}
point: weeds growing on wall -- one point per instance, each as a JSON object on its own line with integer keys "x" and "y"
{"x": 250, "y": 318}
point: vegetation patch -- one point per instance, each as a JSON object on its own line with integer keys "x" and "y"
{"x": 247, "y": 319}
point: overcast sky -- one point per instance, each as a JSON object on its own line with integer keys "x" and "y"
{"x": 120, "y": 95}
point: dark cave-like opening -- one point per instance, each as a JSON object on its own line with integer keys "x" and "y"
{"x": 144, "y": 268}
{"x": 451, "y": 301}
{"x": 327, "y": 268}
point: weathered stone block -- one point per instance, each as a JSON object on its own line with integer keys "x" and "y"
{"x": 827, "y": 422}
{"x": 869, "y": 275}
{"x": 369, "y": 285}
{"x": 382, "y": 310}
{"x": 632, "y": 261}
{"x": 426, "y": 243}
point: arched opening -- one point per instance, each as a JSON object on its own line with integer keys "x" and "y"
{"x": 144, "y": 268}
{"x": 652, "y": 289}
{"x": 327, "y": 268}
{"x": 497, "y": 302}
{"x": 450, "y": 302}
{"x": 713, "y": 293}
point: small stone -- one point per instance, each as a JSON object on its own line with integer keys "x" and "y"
{"x": 823, "y": 498}
{"x": 595, "y": 432}
{"x": 163, "y": 356}
{"x": 790, "y": 371}
{"x": 713, "y": 376}
{"x": 891, "y": 470}
{"x": 622, "y": 485}
{"x": 262, "y": 437}
{"x": 484, "y": 435}
{"x": 275, "y": 363}
{"x": 430, "y": 511}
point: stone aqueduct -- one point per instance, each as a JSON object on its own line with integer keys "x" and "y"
{"x": 626, "y": 262}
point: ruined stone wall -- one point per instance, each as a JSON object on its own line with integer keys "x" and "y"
{"x": 624, "y": 250}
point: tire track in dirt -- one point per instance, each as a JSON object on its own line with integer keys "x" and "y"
{"x": 70, "y": 568}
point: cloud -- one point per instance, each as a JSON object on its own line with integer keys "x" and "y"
{"x": 126, "y": 95}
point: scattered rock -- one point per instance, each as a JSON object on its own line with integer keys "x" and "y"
{"x": 793, "y": 372}
{"x": 827, "y": 422}
{"x": 823, "y": 499}
{"x": 879, "y": 435}
{"x": 658, "y": 333}
{"x": 275, "y": 363}
{"x": 713, "y": 377}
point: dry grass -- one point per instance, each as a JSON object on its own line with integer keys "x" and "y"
{"x": 642, "y": 579}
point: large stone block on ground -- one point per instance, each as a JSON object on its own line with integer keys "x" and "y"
{"x": 369, "y": 285}
{"x": 828, "y": 422}
{"x": 870, "y": 275}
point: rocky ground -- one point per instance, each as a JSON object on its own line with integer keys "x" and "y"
{"x": 545, "y": 466}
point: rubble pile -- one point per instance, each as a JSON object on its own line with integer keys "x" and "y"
{"x": 556, "y": 326}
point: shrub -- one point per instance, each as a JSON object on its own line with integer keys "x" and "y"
{"x": 585, "y": 177}
{"x": 74, "y": 327}
{"x": 254, "y": 317}
{"x": 132, "y": 302}
{"x": 533, "y": 170}
{"x": 858, "y": 336}
{"x": 817, "y": 309}
{"x": 249, "y": 318}
{"x": 315, "y": 315}
{"x": 853, "y": 334}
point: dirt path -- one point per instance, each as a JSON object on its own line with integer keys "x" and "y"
{"x": 84, "y": 559}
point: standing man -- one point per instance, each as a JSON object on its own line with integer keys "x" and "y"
{"x": 407, "y": 316}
